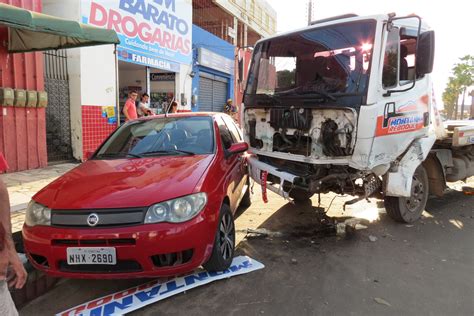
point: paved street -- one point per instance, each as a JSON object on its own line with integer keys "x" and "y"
{"x": 388, "y": 268}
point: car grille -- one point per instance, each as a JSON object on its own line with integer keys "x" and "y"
{"x": 93, "y": 242}
{"x": 122, "y": 266}
{"x": 106, "y": 217}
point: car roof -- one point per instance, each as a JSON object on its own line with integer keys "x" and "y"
{"x": 183, "y": 114}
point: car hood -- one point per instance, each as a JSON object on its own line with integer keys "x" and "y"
{"x": 124, "y": 183}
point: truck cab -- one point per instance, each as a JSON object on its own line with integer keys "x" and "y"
{"x": 345, "y": 105}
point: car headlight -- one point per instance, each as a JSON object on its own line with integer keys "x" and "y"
{"x": 37, "y": 214}
{"x": 178, "y": 210}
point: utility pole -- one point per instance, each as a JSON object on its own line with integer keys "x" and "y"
{"x": 310, "y": 11}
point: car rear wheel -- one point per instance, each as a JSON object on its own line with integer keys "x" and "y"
{"x": 409, "y": 209}
{"x": 224, "y": 242}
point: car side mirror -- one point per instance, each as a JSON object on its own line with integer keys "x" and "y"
{"x": 89, "y": 155}
{"x": 425, "y": 53}
{"x": 237, "y": 148}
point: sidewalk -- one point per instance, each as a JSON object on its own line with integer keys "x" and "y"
{"x": 24, "y": 184}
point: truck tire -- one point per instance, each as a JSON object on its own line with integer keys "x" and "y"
{"x": 300, "y": 196}
{"x": 224, "y": 242}
{"x": 409, "y": 209}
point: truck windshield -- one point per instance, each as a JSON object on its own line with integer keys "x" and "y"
{"x": 322, "y": 63}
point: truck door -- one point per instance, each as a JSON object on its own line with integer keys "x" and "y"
{"x": 402, "y": 116}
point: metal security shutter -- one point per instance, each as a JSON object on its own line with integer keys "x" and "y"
{"x": 205, "y": 94}
{"x": 212, "y": 92}
{"x": 219, "y": 96}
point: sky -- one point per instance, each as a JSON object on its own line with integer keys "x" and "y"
{"x": 452, "y": 21}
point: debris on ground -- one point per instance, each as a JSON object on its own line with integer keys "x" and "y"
{"x": 294, "y": 261}
{"x": 261, "y": 232}
{"x": 409, "y": 226}
{"x": 381, "y": 301}
{"x": 350, "y": 226}
{"x": 372, "y": 238}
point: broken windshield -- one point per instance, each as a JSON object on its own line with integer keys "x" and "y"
{"x": 329, "y": 61}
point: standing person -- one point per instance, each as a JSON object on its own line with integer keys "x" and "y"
{"x": 143, "y": 109}
{"x": 230, "y": 109}
{"x": 8, "y": 256}
{"x": 173, "y": 107}
{"x": 130, "y": 109}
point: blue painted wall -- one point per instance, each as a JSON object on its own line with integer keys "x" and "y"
{"x": 202, "y": 38}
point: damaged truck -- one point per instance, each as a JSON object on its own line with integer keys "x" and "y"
{"x": 346, "y": 105}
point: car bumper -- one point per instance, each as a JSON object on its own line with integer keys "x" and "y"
{"x": 137, "y": 249}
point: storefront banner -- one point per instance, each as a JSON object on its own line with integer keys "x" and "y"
{"x": 145, "y": 60}
{"x": 162, "y": 77}
{"x": 137, "y": 297}
{"x": 159, "y": 29}
{"x": 215, "y": 61}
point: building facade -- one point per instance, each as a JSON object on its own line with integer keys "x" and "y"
{"x": 213, "y": 68}
{"x": 154, "y": 57}
{"x": 240, "y": 23}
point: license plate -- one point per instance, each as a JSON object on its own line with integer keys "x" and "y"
{"x": 91, "y": 255}
{"x": 471, "y": 139}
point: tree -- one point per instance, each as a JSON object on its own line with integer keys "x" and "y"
{"x": 464, "y": 74}
{"x": 450, "y": 97}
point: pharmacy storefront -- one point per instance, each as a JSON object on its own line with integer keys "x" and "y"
{"x": 155, "y": 53}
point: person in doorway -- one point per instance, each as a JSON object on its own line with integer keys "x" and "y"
{"x": 8, "y": 255}
{"x": 129, "y": 109}
{"x": 143, "y": 109}
{"x": 173, "y": 107}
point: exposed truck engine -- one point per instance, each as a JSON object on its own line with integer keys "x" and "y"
{"x": 346, "y": 105}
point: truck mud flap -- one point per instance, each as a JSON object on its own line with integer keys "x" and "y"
{"x": 259, "y": 172}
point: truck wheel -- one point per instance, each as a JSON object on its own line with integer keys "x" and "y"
{"x": 224, "y": 242}
{"x": 300, "y": 196}
{"x": 409, "y": 209}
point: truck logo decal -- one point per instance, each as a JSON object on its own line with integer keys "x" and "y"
{"x": 408, "y": 117}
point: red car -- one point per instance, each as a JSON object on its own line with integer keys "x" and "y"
{"x": 156, "y": 199}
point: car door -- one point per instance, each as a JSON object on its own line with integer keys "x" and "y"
{"x": 237, "y": 137}
{"x": 232, "y": 165}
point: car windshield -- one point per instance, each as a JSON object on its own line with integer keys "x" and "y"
{"x": 327, "y": 62}
{"x": 160, "y": 136}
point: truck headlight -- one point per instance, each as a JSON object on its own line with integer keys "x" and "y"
{"x": 178, "y": 210}
{"x": 37, "y": 214}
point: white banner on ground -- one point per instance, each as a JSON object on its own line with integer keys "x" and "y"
{"x": 134, "y": 298}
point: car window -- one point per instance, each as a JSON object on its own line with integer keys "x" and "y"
{"x": 160, "y": 136}
{"x": 226, "y": 136}
{"x": 234, "y": 130}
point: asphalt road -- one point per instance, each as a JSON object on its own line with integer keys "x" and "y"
{"x": 385, "y": 269}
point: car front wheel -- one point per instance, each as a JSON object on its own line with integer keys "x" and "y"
{"x": 224, "y": 242}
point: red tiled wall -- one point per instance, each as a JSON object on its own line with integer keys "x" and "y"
{"x": 95, "y": 128}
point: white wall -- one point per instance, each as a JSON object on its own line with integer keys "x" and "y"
{"x": 98, "y": 75}
{"x": 183, "y": 85}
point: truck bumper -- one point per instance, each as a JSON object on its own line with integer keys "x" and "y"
{"x": 257, "y": 169}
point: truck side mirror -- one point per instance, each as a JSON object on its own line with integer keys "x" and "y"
{"x": 425, "y": 53}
